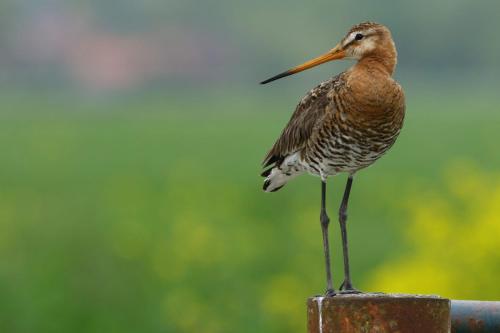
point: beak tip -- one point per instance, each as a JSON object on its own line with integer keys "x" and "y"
{"x": 276, "y": 77}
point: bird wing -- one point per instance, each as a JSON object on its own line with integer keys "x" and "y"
{"x": 308, "y": 115}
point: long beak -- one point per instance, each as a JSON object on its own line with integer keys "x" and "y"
{"x": 333, "y": 54}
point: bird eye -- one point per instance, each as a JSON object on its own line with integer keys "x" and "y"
{"x": 359, "y": 37}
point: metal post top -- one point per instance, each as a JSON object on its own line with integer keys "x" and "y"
{"x": 378, "y": 312}
{"x": 378, "y": 297}
{"x": 400, "y": 312}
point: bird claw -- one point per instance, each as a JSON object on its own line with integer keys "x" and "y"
{"x": 330, "y": 293}
{"x": 346, "y": 288}
{"x": 350, "y": 292}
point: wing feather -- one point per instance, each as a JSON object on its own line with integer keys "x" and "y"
{"x": 308, "y": 114}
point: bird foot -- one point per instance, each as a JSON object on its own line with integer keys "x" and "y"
{"x": 330, "y": 293}
{"x": 350, "y": 292}
{"x": 347, "y": 288}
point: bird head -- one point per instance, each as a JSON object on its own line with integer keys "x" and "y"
{"x": 367, "y": 39}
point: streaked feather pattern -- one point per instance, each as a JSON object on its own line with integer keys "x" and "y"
{"x": 345, "y": 123}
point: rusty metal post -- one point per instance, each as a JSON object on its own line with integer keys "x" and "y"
{"x": 475, "y": 317}
{"x": 367, "y": 313}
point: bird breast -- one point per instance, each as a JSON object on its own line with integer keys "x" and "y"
{"x": 361, "y": 123}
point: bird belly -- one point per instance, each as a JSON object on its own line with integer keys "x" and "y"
{"x": 342, "y": 153}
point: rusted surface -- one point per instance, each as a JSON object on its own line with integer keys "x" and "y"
{"x": 475, "y": 317}
{"x": 377, "y": 313}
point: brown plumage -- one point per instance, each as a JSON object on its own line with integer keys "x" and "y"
{"x": 347, "y": 122}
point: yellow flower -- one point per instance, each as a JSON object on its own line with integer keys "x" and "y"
{"x": 456, "y": 241}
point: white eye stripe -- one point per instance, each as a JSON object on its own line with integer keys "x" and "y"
{"x": 350, "y": 38}
{"x": 352, "y": 35}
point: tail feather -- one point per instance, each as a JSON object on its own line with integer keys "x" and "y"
{"x": 276, "y": 179}
{"x": 267, "y": 184}
{"x": 279, "y": 174}
{"x": 266, "y": 172}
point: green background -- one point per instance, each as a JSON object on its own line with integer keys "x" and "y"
{"x": 130, "y": 200}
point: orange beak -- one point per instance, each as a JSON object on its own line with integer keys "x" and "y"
{"x": 334, "y": 54}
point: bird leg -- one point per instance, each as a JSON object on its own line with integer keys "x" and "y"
{"x": 346, "y": 286}
{"x": 325, "y": 221}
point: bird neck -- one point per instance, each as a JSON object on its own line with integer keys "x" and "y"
{"x": 379, "y": 61}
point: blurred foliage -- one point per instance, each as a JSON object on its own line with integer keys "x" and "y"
{"x": 240, "y": 42}
{"x": 454, "y": 234}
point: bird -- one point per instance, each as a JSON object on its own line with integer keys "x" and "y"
{"x": 343, "y": 125}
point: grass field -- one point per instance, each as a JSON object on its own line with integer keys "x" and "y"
{"x": 148, "y": 216}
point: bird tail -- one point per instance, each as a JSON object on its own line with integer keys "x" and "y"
{"x": 276, "y": 179}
